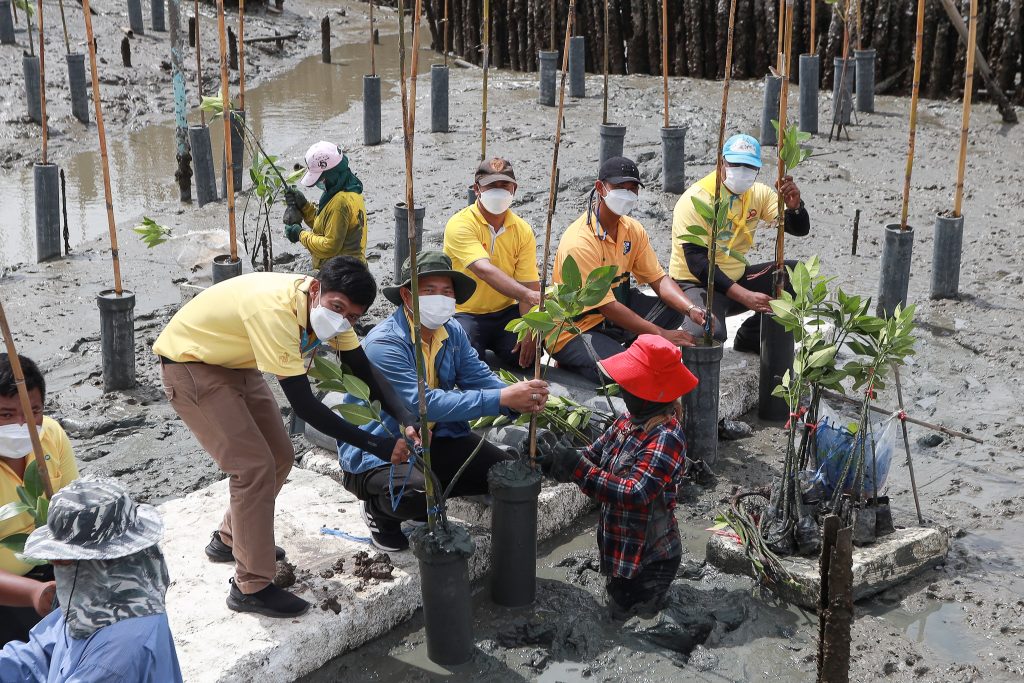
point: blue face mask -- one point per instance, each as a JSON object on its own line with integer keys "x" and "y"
{"x": 320, "y": 186}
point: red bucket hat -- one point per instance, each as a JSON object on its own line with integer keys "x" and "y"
{"x": 651, "y": 369}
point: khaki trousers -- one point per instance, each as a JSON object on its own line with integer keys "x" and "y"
{"x": 236, "y": 419}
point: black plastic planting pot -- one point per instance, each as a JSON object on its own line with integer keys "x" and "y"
{"x": 548, "y": 69}
{"x": 865, "y": 80}
{"x": 949, "y": 240}
{"x": 77, "y": 86}
{"x": 447, "y": 597}
{"x": 202, "y": 164}
{"x": 224, "y": 268}
{"x": 895, "y": 275}
{"x": 402, "y": 235}
{"x": 237, "y": 154}
{"x": 612, "y": 135}
{"x": 438, "y": 98}
{"x": 514, "y": 490}
{"x": 577, "y": 67}
{"x": 117, "y": 339}
{"x": 842, "y": 104}
{"x": 30, "y": 68}
{"x": 770, "y": 109}
{"x": 673, "y": 159}
{"x": 777, "y": 352}
{"x": 371, "y": 110}
{"x": 810, "y": 69}
{"x": 700, "y": 421}
{"x": 6, "y": 23}
{"x": 47, "y": 196}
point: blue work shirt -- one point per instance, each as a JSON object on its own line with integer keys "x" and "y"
{"x": 466, "y": 388}
{"x": 134, "y": 650}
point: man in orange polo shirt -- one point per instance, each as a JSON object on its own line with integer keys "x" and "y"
{"x": 606, "y": 235}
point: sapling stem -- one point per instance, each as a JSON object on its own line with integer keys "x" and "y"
{"x": 42, "y": 78}
{"x": 965, "y": 120}
{"x": 64, "y": 24}
{"x": 780, "y": 236}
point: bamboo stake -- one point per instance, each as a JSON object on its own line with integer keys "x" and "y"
{"x": 918, "y": 58}
{"x": 719, "y": 175}
{"x": 552, "y": 196}
{"x": 912, "y": 420}
{"x": 604, "y": 108}
{"x": 486, "y": 59}
{"x": 906, "y": 443}
{"x": 664, "y": 55}
{"x": 229, "y": 175}
{"x": 105, "y": 163}
{"x": 554, "y": 19}
{"x": 814, "y": 27}
{"x": 42, "y": 79}
{"x": 26, "y": 402}
{"x": 860, "y": 27}
{"x": 780, "y": 238}
{"x": 64, "y": 23}
{"x": 241, "y": 54}
{"x": 782, "y": 35}
{"x": 446, "y": 33}
{"x": 965, "y": 121}
{"x": 409, "y": 130}
{"x": 373, "y": 57}
{"x": 199, "y": 69}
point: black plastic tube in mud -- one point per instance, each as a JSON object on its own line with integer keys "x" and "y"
{"x": 402, "y": 236}
{"x": 47, "y": 196}
{"x": 447, "y": 596}
{"x": 673, "y": 159}
{"x": 6, "y": 23}
{"x": 78, "y": 87}
{"x": 770, "y": 109}
{"x": 30, "y": 67}
{"x": 577, "y": 66}
{"x": 895, "y": 275}
{"x": 612, "y": 137}
{"x": 548, "y": 69}
{"x": 438, "y": 98}
{"x": 237, "y": 153}
{"x": 202, "y": 164}
{"x": 777, "y": 353}
{"x": 846, "y": 102}
{"x": 949, "y": 240}
{"x": 117, "y": 339}
{"x": 135, "y": 17}
{"x": 514, "y": 489}
{"x": 810, "y": 68}
{"x": 156, "y": 13}
{"x": 700, "y": 421}
{"x": 371, "y": 110}
{"x": 865, "y": 80}
{"x": 225, "y": 269}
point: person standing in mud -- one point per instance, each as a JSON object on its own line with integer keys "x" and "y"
{"x": 606, "y": 235}
{"x": 338, "y": 219}
{"x": 497, "y": 249}
{"x": 632, "y": 470}
{"x": 26, "y": 591}
{"x": 212, "y": 354}
{"x": 744, "y": 287}
{"x": 460, "y": 388}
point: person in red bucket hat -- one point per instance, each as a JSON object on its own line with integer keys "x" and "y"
{"x": 632, "y": 470}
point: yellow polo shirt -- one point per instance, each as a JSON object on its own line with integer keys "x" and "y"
{"x": 250, "y": 321}
{"x": 759, "y": 203}
{"x": 468, "y": 237}
{"x": 60, "y": 463}
{"x": 430, "y": 350}
{"x": 591, "y": 247}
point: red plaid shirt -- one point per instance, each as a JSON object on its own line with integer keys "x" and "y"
{"x": 631, "y": 471}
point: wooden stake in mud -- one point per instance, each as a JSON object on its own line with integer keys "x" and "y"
{"x": 199, "y": 68}
{"x": 780, "y": 236}
{"x": 554, "y": 21}
{"x": 719, "y": 170}
{"x": 604, "y": 107}
{"x": 409, "y": 133}
{"x": 552, "y": 196}
{"x": 814, "y": 27}
{"x": 915, "y": 96}
{"x": 486, "y": 61}
{"x": 42, "y": 79}
{"x": 965, "y": 121}
{"x": 97, "y": 104}
{"x": 64, "y": 23}
{"x": 664, "y": 56}
{"x": 906, "y": 437}
{"x": 860, "y": 27}
{"x": 241, "y": 54}
{"x": 446, "y": 33}
{"x": 835, "y": 603}
{"x": 373, "y": 56}
{"x": 229, "y": 156}
{"x": 26, "y": 402}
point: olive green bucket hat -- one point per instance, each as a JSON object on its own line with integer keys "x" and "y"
{"x": 433, "y": 263}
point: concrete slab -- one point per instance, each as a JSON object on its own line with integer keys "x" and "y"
{"x": 215, "y": 644}
{"x": 891, "y": 560}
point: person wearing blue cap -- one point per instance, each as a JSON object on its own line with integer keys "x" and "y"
{"x": 745, "y": 287}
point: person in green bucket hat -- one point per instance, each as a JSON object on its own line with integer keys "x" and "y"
{"x": 338, "y": 219}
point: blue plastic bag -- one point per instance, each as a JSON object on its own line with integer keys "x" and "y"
{"x": 836, "y": 446}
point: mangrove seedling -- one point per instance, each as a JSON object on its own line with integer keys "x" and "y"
{"x": 32, "y": 500}
{"x": 151, "y": 232}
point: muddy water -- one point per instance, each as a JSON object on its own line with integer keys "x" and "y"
{"x": 284, "y": 112}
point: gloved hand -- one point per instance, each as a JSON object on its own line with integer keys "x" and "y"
{"x": 560, "y": 462}
{"x": 292, "y": 216}
{"x": 294, "y": 198}
{"x": 292, "y": 232}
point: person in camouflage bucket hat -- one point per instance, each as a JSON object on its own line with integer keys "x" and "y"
{"x": 111, "y": 584}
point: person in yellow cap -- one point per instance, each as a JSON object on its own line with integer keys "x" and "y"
{"x": 338, "y": 219}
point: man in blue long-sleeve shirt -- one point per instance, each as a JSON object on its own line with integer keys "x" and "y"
{"x": 460, "y": 388}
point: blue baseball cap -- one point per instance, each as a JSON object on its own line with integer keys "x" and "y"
{"x": 742, "y": 149}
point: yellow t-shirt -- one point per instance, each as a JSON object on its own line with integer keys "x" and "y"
{"x": 430, "y": 350}
{"x": 60, "y": 463}
{"x": 591, "y": 247}
{"x": 340, "y": 229}
{"x": 513, "y": 250}
{"x": 759, "y": 203}
{"x": 250, "y": 321}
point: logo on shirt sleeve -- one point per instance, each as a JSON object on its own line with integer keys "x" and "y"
{"x": 627, "y": 246}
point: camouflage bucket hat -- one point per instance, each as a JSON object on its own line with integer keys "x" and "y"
{"x": 432, "y": 263}
{"x": 94, "y": 520}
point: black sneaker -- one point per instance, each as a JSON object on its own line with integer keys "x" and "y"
{"x": 270, "y": 602}
{"x": 219, "y": 551}
{"x": 386, "y": 534}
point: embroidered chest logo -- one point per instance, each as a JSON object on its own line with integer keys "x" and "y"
{"x": 626, "y": 247}
{"x": 753, "y": 212}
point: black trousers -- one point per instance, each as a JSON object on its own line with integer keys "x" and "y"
{"x": 487, "y": 331}
{"x": 447, "y": 454}
{"x": 645, "y": 592}
{"x": 760, "y": 278}
{"x": 16, "y": 622}
{"x": 582, "y": 352}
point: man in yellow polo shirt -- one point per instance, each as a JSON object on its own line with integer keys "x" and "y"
{"x": 497, "y": 249}
{"x": 212, "y": 354}
{"x": 606, "y": 235}
{"x": 738, "y": 288}
{"x": 26, "y": 591}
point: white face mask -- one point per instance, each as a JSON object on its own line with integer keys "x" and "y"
{"x": 15, "y": 441}
{"x": 326, "y": 323}
{"x": 739, "y": 179}
{"x": 621, "y": 202}
{"x": 496, "y": 201}
{"x": 436, "y": 310}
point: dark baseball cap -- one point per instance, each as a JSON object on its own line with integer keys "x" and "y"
{"x": 493, "y": 171}
{"x": 619, "y": 170}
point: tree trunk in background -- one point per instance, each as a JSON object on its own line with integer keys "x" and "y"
{"x": 697, "y": 32}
